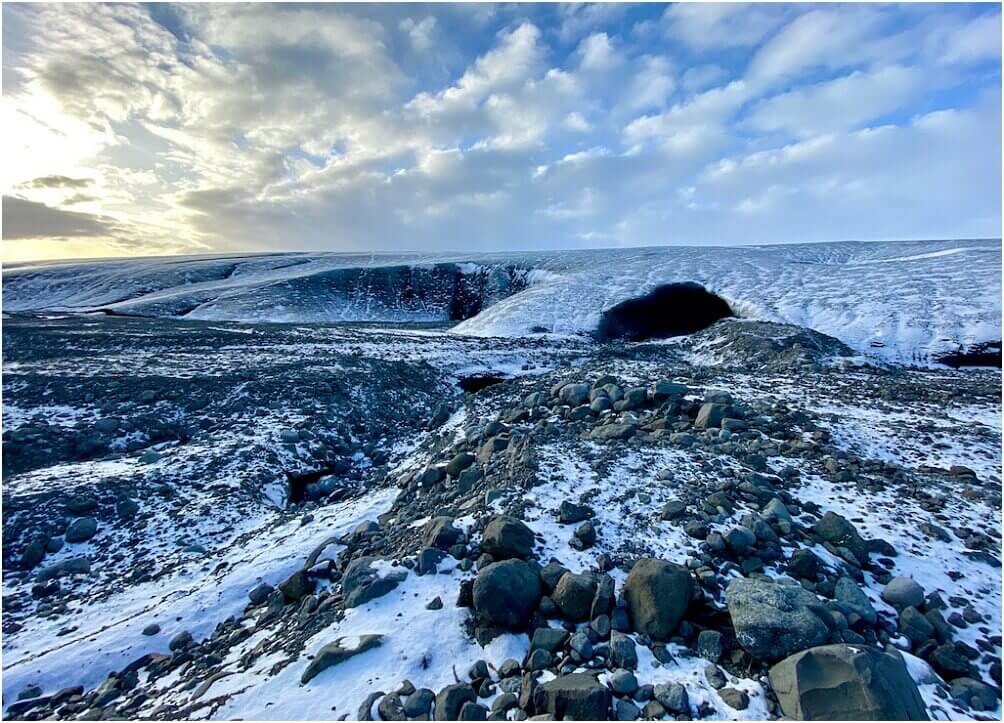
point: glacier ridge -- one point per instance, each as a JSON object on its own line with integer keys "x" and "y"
{"x": 903, "y": 301}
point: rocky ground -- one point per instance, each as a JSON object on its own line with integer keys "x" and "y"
{"x": 266, "y": 521}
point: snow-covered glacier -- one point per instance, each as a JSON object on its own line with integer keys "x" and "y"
{"x": 903, "y": 301}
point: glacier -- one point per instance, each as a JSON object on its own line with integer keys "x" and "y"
{"x": 903, "y": 301}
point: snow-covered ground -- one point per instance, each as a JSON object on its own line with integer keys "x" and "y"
{"x": 207, "y": 425}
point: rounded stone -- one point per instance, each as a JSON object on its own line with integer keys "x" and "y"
{"x": 506, "y": 593}
{"x": 657, "y": 593}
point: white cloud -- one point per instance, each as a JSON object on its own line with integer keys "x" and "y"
{"x": 576, "y": 122}
{"x": 651, "y": 84}
{"x": 700, "y": 77}
{"x": 579, "y": 18}
{"x": 361, "y": 127}
{"x": 840, "y": 104}
{"x": 711, "y": 26}
{"x": 515, "y": 59}
{"x": 977, "y": 40}
{"x": 831, "y": 38}
{"x": 420, "y": 33}
{"x": 598, "y": 53}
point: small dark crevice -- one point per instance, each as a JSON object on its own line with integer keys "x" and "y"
{"x": 666, "y": 311}
{"x": 303, "y": 487}
{"x": 476, "y": 382}
{"x": 113, "y": 312}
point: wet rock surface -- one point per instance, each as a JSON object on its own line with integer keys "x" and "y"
{"x": 625, "y": 533}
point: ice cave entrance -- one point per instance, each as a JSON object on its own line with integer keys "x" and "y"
{"x": 668, "y": 310}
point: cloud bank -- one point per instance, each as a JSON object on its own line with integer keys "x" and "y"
{"x": 179, "y": 129}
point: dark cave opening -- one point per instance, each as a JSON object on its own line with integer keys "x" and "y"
{"x": 987, "y": 354}
{"x": 476, "y": 382}
{"x": 668, "y": 310}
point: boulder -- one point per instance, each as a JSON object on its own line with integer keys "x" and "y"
{"x": 974, "y": 693}
{"x": 418, "y": 703}
{"x": 578, "y": 696}
{"x": 180, "y": 641}
{"x": 710, "y": 645}
{"x": 623, "y": 682}
{"x": 613, "y": 431}
{"x": 335, "y": 653}
{"x": 506, "y": 537}
{"x": 662, "y": 391}
{"x": 550, "y": 574}
{"x": 362, "y": 583}
{"x": 776, "y": 510}
{"x": 901, "y": 592}
{"x": 297, "y": 586}
{"x": 803, "y": 563}
{"x": 710, "y": 416}
{"x": 80, "y": 505}
{"x": 391, "y": 707}
{"x": 673, "y": 697}
{"x": 917, "y": 628}
{"x": 259, "y": 593}
{"x": 574, "y": 595}
{"x": 71, "y": 566}
{"x": 634, "y": 398}
{"x": 440, "y": 533}
{"x": 451, "y": 699}
{"x": 774, "y": 619}
{"x": 570, "y": 513}
{"x": 459, "y": 463}
{"x": 854, "y": 599}
{"x": 574, "y": 394}
{"x": 584, "y": 536}
{"x": 734, "y": 698}
{"x": 657, "y": 593}
{"x": 623, "y": 651}
{"x": 549, "y": 639}
{"x": 846, "y": 682}
{"x": 32, "y": 555}
{"x": 126, "y": 508}
{"x": 506, "y": 593}
{"x": 839, "y": 532}
{"x": 81, "y": 530}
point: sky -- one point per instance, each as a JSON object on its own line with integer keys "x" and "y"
{"x": 134, "y": 130}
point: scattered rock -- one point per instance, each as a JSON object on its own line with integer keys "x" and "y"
{"x": 506, "y": 537}
{"x": 774, "y": 619}
{"x": 506, "y": 593}
{"x": 844, "y": 682}
{"x": 710, "y": 415}
{"x": 839, "y": 532}
{"x": 658, "y": 594}
{"x": 734, "y": 698}
{"x": 440, "y": 533}
{"x": 975, "y": 694}
{"x": 673, "y": 697}
{"x": 570, "y": 513}
{"x": 259, "y": 593}
{"x": 81, "y": 530}
{"x": 451, "y": 699}
{"x": 361, "y": 583}
{"x": 901, "y": 592}
{"x": 335, "y": 653}
{"x": 578, "y": 696}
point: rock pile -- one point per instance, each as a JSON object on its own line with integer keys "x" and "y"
{"x": 773, "y": 588}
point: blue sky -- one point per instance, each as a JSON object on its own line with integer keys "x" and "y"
{"x": 148, "y": 129}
